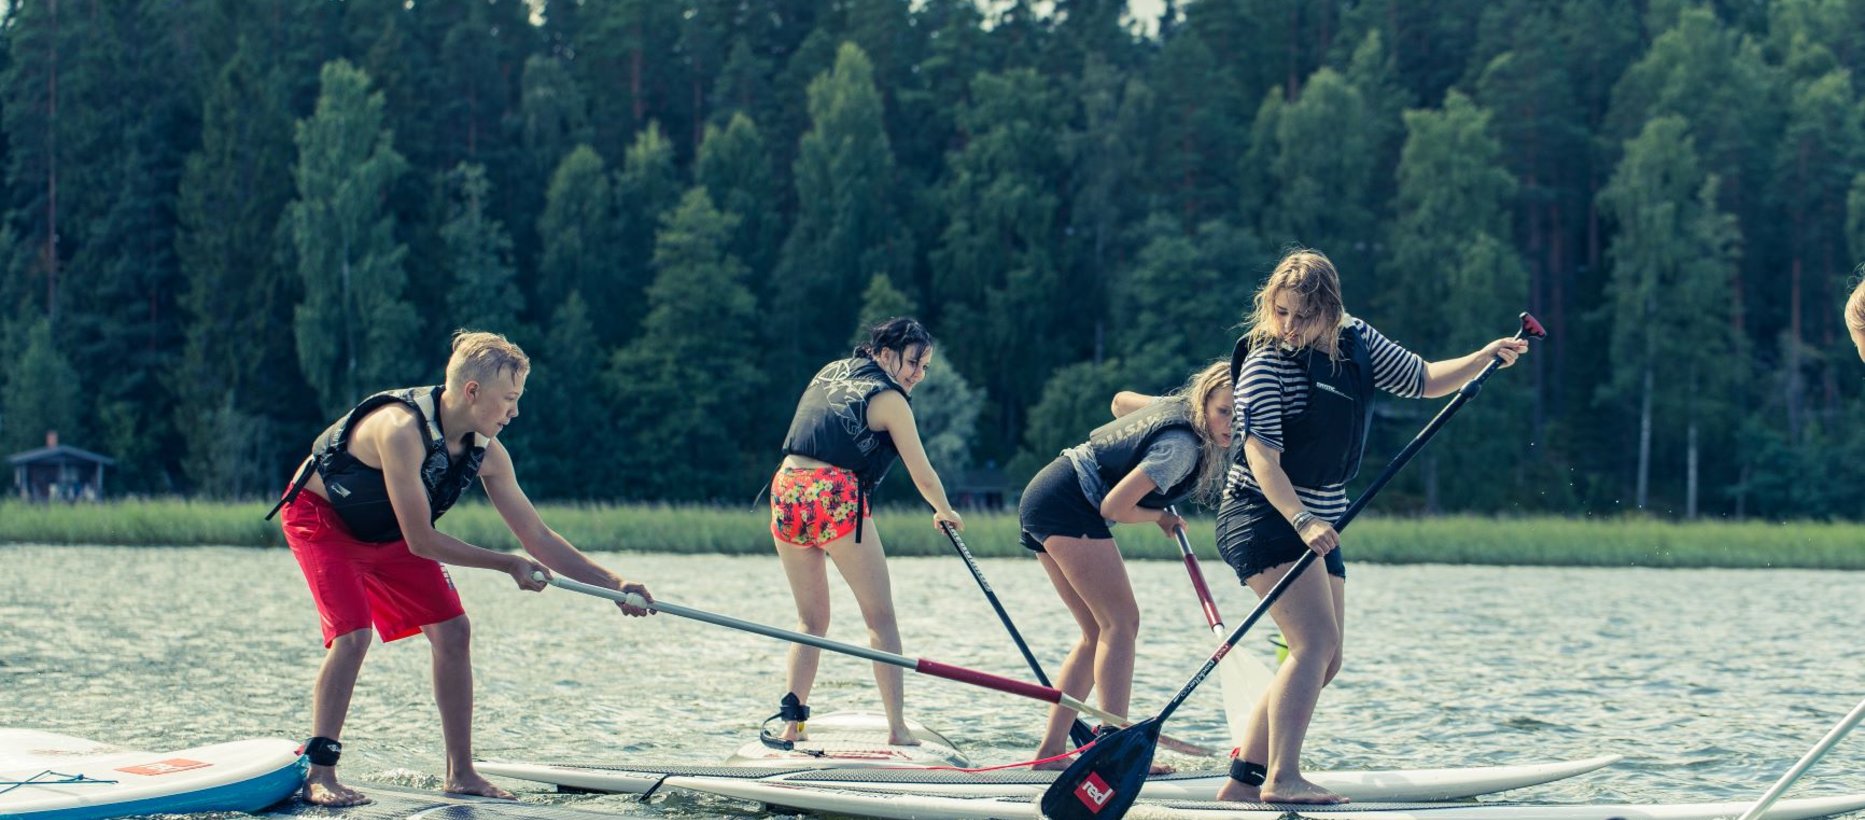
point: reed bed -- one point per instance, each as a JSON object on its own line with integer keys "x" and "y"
{"x": 696, "y": 529}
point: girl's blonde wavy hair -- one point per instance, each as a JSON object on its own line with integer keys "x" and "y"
{"x": 1310, "y": 278}
{"x": 1215, "y": 463}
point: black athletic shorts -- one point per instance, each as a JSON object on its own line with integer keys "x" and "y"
{"x": 1253, "y": 536}
{"x": 1053, "y": 504}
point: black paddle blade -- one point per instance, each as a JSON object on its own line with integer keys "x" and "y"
{"x": 1102, "y": 783}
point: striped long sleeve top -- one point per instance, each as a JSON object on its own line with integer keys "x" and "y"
{"x": 1273, "y": 386}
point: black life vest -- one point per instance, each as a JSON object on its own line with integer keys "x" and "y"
{"x": 1120, "y": 445}
{"x": 831, "y": 423}
{"x": 359, "y": 493}
{"x": 1322, "y": 445}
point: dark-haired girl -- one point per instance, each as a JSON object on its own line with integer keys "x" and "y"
{"x": 850, "y": 424}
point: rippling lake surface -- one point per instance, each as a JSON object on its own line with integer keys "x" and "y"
{"x": 1710, "y": 682}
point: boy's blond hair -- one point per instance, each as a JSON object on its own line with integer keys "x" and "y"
{"x": 479, "y": 356}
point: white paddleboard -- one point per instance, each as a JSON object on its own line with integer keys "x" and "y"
{"x": 915, "y": 806}
{"x": 1407, "y": 785}
{"x": 853, "y": 739}
{"x": 70, "y": 778}
{"x": 405, "y": 803}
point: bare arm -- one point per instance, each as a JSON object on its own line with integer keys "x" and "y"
{"x": 1266, "y": 465}
{"x": 1127, "y": 401}
{"x": 397, "y": 440}
{"x": 1444, "y": 377}
{"x": 542, "y": 542}
{"x": 889, "y": 412}
{"x": 1122, "y": 503}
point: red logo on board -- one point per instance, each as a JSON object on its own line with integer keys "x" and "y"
{"x": 169, "y": 766}
{"x": 1094, "y": 793}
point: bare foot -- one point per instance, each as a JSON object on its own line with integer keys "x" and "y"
{"x": 791, "y": 732}
{"x": 1236, "y": 792}
{"x": 902, "y": 737}
{"x": 1298, "y": 791}
{"x": 322, "y": 789}
{"x": 471, "y": 783}
{"x": 1048, "y": 765}
{"x": 1159, "y": 769}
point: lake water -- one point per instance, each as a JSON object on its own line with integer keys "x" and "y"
{"x": 1710, "y": 682}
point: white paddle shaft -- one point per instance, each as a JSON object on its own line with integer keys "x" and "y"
{"x": 934, "y": 668}
{"x": 1812, "y": 756}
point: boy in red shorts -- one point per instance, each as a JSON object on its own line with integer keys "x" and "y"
{"x": 360, "y": 520}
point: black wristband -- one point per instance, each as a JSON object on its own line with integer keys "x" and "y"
{"x": 1247, "y": 773}
{"x": 322, "y": 751}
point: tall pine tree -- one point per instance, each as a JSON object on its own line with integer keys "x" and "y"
{"x": 355, "y": 328}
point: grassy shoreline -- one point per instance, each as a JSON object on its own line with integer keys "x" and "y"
{"x": 1541, "y": 541}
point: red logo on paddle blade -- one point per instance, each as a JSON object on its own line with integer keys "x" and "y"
{"x": 1094, "y": 793}
{"x": 169, "y": 766}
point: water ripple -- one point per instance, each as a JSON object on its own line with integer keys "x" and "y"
{"x": 1711, "y": 682}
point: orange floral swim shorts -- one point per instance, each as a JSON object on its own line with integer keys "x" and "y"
{"x": 812, "y": 506}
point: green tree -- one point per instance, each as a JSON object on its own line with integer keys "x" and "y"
{"x": 1164, "y": 321}
{"x": 1108, "y": 156}
{"x": 484, "y": 295}
{"x": 1672, "y": 258}
{"x": 1316, "y": 156}
{"x": 996, "y": 270}
{"x": 880, "y": 302}
{"x": 1715, "y": 78}
{"x": 647, "y": 186}
{"x": 624, "y": 64}
{"x": 1814, "y": 165}
{"x": 42, "y": 394}
{"x": 694, "y": 354}
{"x": 239, "y": 289}
{"x": 734, "y": 165}
{"x": 1204, "y": 130}
{"x": 1453, "y": 279}
{"x": 577, "y": 237}
{"x": 355, "y": 330}
{"x": 565, "y": 409}
{"x": 945, "y": 410}
{"x": 553, "y": 120}
{"x": 846, "y": 229}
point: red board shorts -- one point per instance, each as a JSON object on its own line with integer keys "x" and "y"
{"x": 812, "y": 506}
{"x": 359, "y": 583}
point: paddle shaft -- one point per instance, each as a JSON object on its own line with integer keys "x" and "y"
{"x": 1211, "y": 616}
{"x": 921, "y": 665}
{"x": 1812, "y": 756}
{"x": 1079, "y": 731}
{"x": 1464, "y": 394}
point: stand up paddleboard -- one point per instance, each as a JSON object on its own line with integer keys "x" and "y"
{"x": 792, "y": 796}
{"x": 403, "y": 803}
{"x": 46, "y": 776}
{"x": 850, "y": 750}
{"x": 1407, "y": 785}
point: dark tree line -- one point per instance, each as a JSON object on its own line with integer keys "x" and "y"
{"x": 227, "y": 220}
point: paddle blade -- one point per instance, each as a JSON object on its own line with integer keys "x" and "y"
{"x": 1105, "y": 779}
{"x": 1243, "y": 679}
